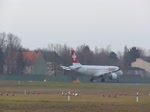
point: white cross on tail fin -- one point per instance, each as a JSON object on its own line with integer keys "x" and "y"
{"x": 75, "y": 60}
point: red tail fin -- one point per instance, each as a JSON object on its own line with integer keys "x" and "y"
{"x": 75, "y": 60}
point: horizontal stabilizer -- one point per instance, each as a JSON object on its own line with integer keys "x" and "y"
{"x": 65, "y": 67}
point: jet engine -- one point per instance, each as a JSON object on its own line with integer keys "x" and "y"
{"x": 113, "y": 76}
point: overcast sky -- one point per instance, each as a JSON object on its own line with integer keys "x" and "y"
{"x": 75, "y": 22}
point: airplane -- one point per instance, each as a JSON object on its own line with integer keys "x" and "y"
{"x": 94, "y": 71}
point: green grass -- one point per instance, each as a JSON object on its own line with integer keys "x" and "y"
{"x": 90, "y": 97}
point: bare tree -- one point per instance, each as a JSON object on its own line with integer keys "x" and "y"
{"x": 20, "y": 62}
{"x": 13, "y": 45}
{"x": 121, "y": 59}
{"x": 113, "y": 58}
{"x": 60, "y": 51}
{"x": 85, "y": 55}
{"x": 58, "y": 54}
{"x": 2, "y": 40}
{"x": 101, "y": 56}
{"x": 65, "y": 55}
{"x": 2, "y": 47}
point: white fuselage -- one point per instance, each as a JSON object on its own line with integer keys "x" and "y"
{"x": 96, "y": 70}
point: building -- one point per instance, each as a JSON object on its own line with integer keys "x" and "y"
{"x": 139, "y": 63}
{"x": 35, "y": 63}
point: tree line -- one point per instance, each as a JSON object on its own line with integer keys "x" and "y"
{"x": 11, "y": 55}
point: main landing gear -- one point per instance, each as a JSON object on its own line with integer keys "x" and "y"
{"x": 91, "y": 79}
{"x": 117, "y": 80}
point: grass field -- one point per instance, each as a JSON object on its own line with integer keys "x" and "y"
{"x": 90, "y": 97}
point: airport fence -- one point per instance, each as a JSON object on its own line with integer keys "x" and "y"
{"x": 69, "y": 78}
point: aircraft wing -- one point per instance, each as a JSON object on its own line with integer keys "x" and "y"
{"x": 65, "y": 67}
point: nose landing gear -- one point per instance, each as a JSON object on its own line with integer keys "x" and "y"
{"x": 102, "y": 80}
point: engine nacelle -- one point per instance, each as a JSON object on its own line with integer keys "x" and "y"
{"x": 113, "y": 76}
